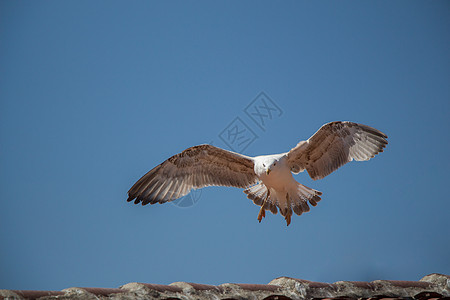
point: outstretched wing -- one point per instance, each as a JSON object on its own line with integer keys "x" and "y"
{"x": 194, "y": 168}
{"x": 334, "y": 145}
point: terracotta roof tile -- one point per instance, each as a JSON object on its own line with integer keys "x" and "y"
{"x": 200, "y": 287}
{"x": 407, "y": 284}
{"x": 427, "y": 296}
{"x": 30, "y": 294}
{"x": 276, "y": 297}
{"x": 157, "y": 287}
{"x": 258, "y": 287}
{"x": 102, "y": 291}
{"x": 433, "y": 286}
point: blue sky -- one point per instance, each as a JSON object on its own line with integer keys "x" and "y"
{"x": 95, "y": 94}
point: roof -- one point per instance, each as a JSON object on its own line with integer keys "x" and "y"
{"x": 433, "y": 286}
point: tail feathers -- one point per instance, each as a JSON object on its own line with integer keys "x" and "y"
{"x": 258, "y": 193}
{"x": 300, "y": 199}
{"x": 295, "y": 200}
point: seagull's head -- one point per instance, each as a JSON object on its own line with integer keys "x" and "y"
{"x": 270, "y": 164}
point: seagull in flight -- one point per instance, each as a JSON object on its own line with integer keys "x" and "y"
{"x": 267, "y": 179}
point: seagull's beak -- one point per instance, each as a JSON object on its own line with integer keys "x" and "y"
{"x": 267, "y": 171}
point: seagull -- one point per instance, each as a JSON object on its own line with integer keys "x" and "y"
{"x": 268, "y": 179}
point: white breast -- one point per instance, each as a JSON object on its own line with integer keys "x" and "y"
{"x": 280, "y": 177}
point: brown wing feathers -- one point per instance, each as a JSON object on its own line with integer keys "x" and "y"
{"x": 334, "y": 145}
{"x": 195, "y": 167}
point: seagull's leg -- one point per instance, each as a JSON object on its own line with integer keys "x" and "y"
{"x": 289, "y": 211}
{"x": 262, "y": 211}
{"x": 288, "y": 218}
{"x": 262, "y": 214}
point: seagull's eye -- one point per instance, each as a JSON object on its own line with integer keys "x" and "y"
{"x": 264, "y": 165}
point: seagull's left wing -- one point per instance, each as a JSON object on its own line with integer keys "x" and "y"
{"x": 195, "y": 167}
{"x": 334, "y": 145}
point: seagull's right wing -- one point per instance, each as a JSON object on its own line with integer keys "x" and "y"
{"x": 194, "y": 168}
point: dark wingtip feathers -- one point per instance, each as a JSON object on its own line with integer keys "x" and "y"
{"x": 315, "y": 199}
{"x": 136, "y": 200}
{"x": 141, "y": 200}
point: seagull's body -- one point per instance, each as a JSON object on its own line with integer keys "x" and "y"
{"x": 267, "y": 179}
{"x": 279, "y": 184}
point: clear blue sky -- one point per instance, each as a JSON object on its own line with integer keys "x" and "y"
{"x": 95, "y": 94}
